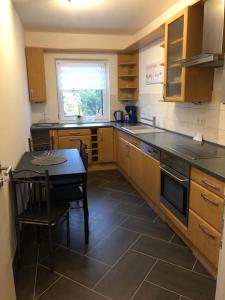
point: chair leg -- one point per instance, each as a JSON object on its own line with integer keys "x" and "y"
{"x": 68, "y": 228}
{"x": 38, "y": 230}
{"x": 86, "y": 221}
{"x": 51, "y": 249}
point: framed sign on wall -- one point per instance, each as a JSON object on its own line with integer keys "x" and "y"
{"x": 154, "y": 73}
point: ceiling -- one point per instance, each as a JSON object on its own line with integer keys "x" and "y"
{"x": 97, "y": 16}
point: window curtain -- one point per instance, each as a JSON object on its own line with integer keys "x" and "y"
{"x": 81, "y": 76}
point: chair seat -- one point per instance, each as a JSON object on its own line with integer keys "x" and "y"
{"x": 67, "y": 193}
{"x": 37, "y": 214}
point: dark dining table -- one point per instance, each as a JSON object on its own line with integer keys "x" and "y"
{"x": 72, "y": 169}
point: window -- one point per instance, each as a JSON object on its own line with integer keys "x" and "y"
{"x": 82, "y": 90}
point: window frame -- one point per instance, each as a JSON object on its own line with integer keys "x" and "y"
{"x": 106, "y": 94}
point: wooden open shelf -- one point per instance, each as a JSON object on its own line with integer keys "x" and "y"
{"x": 128, "y": 81}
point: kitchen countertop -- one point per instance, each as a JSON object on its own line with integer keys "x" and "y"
{"x": 162, "y": 141}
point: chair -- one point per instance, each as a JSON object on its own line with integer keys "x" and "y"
{"x": 35, "y": 205}
{"x": 41, "y": 144}
{"x": 73, "y": 190}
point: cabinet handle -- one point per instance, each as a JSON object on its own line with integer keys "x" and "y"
{"x": 216, "y": 188}
{"x": 72, "y": 133}
{"x": 204, "y": 197}
{"x": 32, "y": 93}
{"x": 201, "y": 226}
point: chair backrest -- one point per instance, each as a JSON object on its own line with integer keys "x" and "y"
{"x": 84, "y": 155}
{"x": 31, "y": 194}
{"x": 41, "y": 144}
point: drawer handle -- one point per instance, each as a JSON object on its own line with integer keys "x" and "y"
{"x": 204, "y": 197}
{"x": 73, "y": 140}
{"x": 216, "y": 188}
{"x": 72, "y": 133}
{"x": 201, "y": 226}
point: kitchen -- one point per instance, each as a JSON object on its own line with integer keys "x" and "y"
{"x": 155, "y": 196}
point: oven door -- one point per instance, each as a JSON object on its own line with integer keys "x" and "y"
{"x": 174, "y": 192}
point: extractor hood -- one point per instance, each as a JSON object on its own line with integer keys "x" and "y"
{"x": 213, "y": 41}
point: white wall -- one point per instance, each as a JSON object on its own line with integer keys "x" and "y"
{"x": 50, "y": 108}
{"x": 15, "y": 122}
{"x": 209, "y": 118}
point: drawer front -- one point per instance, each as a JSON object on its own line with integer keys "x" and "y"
{"x": 123, "y": 135}
{"x": 214, "y": 185}
{"x": 135, "y": 142}
{"x": 73, "y": 142}
{"x": 204, "y": 237}
{"x": 74, "y": 132}
{"x": 208, "y": 205}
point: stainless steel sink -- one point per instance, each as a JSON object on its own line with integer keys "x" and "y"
{"x": 138, "y": 129}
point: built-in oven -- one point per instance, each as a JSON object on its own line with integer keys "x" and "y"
{"x": 175, "y": 174}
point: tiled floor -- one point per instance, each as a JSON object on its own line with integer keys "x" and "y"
{"x": 132, "y": 254}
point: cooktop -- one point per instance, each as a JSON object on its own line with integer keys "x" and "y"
{"x": 199, "y": 151}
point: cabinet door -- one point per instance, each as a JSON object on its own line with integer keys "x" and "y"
{"x": 123, "y": 155}
{"x": 106, "y": 144}
{"x": 36, "y": 74}
{"x": 135, "y": 160}
{"x": 204, "y": 237}
{"x": 151, "y": 178}
{"x": 174, "y": 51}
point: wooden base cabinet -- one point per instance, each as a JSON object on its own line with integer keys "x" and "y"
{"x": 141, "y": 168}
{"x": 123, "y": 155}
{"x": 106, "y": 145}
{"x": 204, "y": 237}
{"x": 151, "y": 178}
{"x": 207, "y": 205}
{"x": 135, "y": 165}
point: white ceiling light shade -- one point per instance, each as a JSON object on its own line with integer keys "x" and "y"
{"x": 82, "y": 3}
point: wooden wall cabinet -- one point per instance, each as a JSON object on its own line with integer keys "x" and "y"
{"x": 183, "y": 39}
{"x": 128, "y": 82}
{"x": 36, "y": 74}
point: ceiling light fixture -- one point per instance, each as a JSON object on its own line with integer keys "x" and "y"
{"x": 84, "y": 3}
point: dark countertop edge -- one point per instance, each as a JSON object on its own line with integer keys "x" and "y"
{"x": 73, "y": 126}
{"x": 118, "y": 125}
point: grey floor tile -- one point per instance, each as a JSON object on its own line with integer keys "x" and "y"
{"x": 44, "y": 279}
{"x": 111, "y": 248}
{"x": 69, "y": 290}
{"x": 137, "y": 211}
{"x": 100, "y": 225}
{"x": 126, "y": 197}
{"x": 182, "y": 281}
{"x": 157, "y": 248}
{"x": 125, "y": 277}
{"x": 178, "y": 241}
{"x": 78, "y": 267}
{"x": 24, "y": 283}
{"x": 119, "y": 186}
{"x": 158, "y": 230}
{"x": 200, "y": 269}
{"x": 149, "y": 291}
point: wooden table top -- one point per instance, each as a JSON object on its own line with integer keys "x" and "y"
{"x": 72, "y": 167}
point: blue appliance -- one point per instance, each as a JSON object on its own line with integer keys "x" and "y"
{"x": 131, "y": 110}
